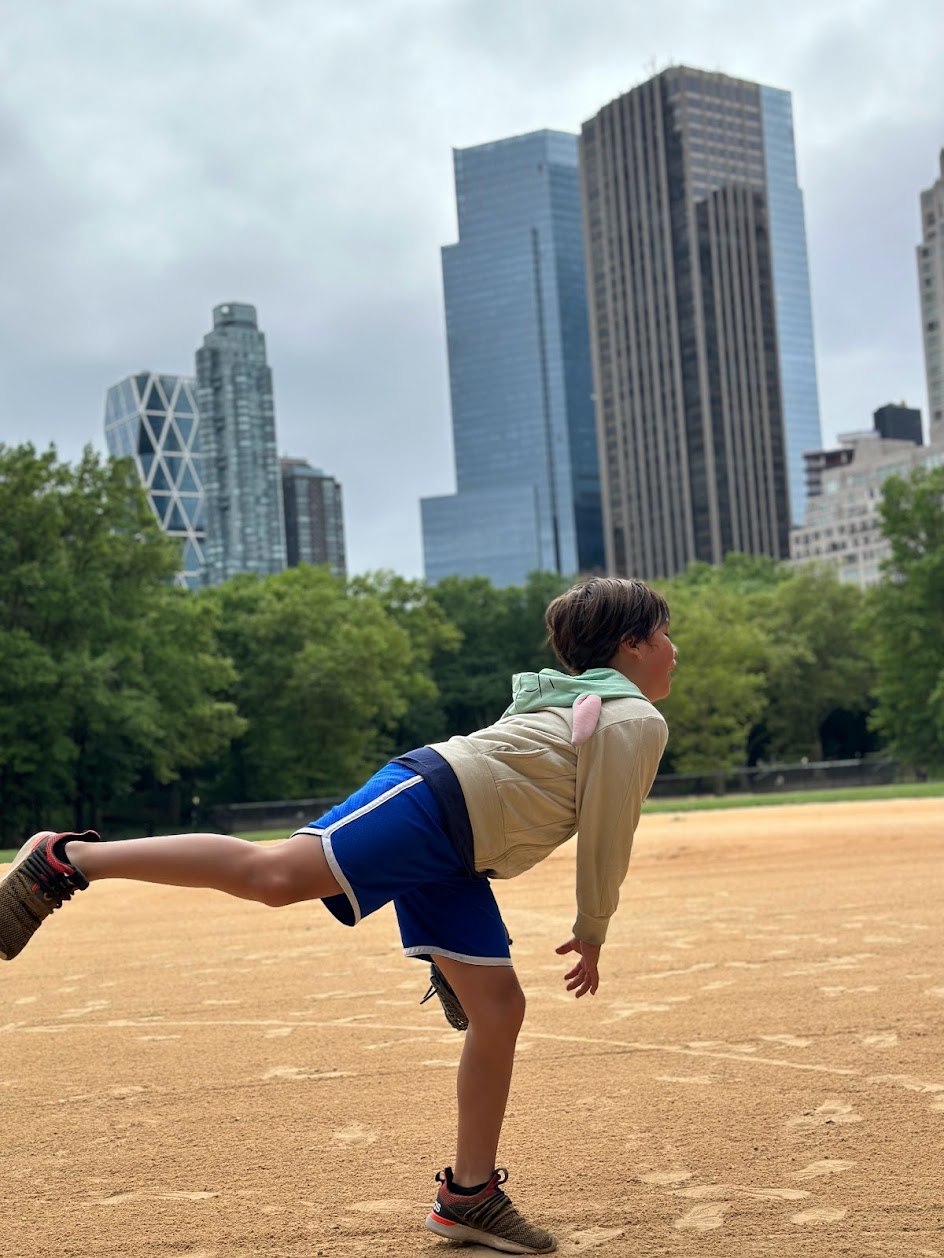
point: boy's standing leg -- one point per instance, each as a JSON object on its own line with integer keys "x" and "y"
{"x": 470, "y": 1205}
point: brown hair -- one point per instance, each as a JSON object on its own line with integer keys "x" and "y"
{"x": 586, "y": 625}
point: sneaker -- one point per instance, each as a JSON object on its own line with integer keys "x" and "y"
{"x": 35, "y": 885}
{"x": 488, "y": 1218}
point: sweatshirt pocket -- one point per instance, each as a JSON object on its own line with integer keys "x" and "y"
{"x": 538, "y": 806}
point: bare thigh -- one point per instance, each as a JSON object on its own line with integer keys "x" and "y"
{"x": 303, "y": 866}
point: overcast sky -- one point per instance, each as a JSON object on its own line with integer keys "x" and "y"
{"x": 158, "y": 157}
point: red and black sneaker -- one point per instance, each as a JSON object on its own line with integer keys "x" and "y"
{"x": 485, "y": 1218}
{"x": 36, "y": 884}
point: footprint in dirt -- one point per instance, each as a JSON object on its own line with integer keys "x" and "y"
{"x": 832, "y": 1111}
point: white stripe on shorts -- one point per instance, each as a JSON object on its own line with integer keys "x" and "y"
{"x": 353, "y": 816}
{"x": 436, "y": 951}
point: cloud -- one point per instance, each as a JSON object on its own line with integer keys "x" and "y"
{"x": 160, "y": 156}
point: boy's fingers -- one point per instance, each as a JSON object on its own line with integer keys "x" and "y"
{"x": 569, "y": 946}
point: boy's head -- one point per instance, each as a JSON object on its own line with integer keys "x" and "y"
{"x": 587, "y": 625}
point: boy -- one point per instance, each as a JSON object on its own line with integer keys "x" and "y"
{"x": 575, "y": 753}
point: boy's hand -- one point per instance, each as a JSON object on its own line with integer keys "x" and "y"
{"x": 584, "y": 977}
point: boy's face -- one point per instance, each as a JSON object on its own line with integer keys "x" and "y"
{"x": 649, "y": 662}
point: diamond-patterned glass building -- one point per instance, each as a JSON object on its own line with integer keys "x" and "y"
{"x": 153, "y": 419}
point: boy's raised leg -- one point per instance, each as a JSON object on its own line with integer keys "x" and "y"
{"x": 50, "y": 868}
{"x": 275, "y": 874}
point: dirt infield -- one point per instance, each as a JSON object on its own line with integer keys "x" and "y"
{"x": 761, "y": 1073}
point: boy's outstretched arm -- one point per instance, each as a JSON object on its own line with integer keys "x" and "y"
{"x": 584, "y": 977}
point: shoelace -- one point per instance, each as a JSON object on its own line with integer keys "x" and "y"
{"x": 56, "y": 888}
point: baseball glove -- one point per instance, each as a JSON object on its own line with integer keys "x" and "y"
{"x": 452, "y": 1007}
{"x": 439, "y": 986}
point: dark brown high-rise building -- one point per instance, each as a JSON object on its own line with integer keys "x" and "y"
{"x": 314, "y": 521}
{"x": 700, "y": 321}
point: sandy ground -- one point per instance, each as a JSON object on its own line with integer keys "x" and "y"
{"x": 761, "y": 1073}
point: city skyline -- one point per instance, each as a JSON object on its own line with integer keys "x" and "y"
{"x": 347, "y": 278}
{"x": 527, "y": 475}
{"x": 264, "y": 522}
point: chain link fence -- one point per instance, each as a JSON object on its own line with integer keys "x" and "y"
{"x": 292, "y": 814}
{"x": 771, "y": 778}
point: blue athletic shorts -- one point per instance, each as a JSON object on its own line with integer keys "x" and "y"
{"x": 387, "y": 842}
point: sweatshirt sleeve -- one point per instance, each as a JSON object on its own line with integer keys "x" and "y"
{"x": 615, "y": 771}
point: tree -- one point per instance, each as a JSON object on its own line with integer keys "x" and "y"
{"x": 414, "y": 607}
{"x": 718, "y": 694}
{"x": 323, "y": 678}
{"x": 818, "y": 662}
{"x": 95, "y": 647}
{"x": 904, "y": 617}
{"x": 502, "y": 633}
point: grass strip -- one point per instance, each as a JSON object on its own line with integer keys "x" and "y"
{"x": 715, "y": 803}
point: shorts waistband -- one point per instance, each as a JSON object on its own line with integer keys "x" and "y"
{"x": 444, "y": 787}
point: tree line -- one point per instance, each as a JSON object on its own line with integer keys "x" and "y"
{"x": 127, "y": 701}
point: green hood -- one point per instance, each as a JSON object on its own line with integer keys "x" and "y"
{"x": 550, "y": 689}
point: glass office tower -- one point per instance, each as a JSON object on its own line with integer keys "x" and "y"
{"x": 700, "y": 319}
{"x": 245, "y": 531}
{"x": 796, "y": 354}
{"x": 153, "y": 420}
{"x": 527, "y": 478}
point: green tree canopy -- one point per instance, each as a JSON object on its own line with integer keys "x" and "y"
{"x": 718, "y": 692}
{"x": 106, "y": 671}
{"x": 324, "y": 677}
{"x": 818, "y": 662}
{"x": 502, "y": 633}
{"x": 414, "y": 607}
{"x": 904, "y": 618}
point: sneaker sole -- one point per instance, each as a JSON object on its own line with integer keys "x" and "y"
{"x": 461, "y": 1232}
{"x": 17, "y": 861}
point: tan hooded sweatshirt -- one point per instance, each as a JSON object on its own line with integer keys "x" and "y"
{"x": 528, "y": 787}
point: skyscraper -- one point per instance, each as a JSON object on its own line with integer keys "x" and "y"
{"x": 931, "y": 281}
{"x": 700, "y": 320}
{"x": 244, "y": 526}
{"x": 314, "y": 522}
{"x": 153, "y": 419}
{"x": 519, "y": 370}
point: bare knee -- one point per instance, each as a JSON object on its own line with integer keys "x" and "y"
{"x": 499, "y": 1012}
{"x": 273, "y": 881}
{"x": 506, "y": 1014}
{"x": 290, "y": 872}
